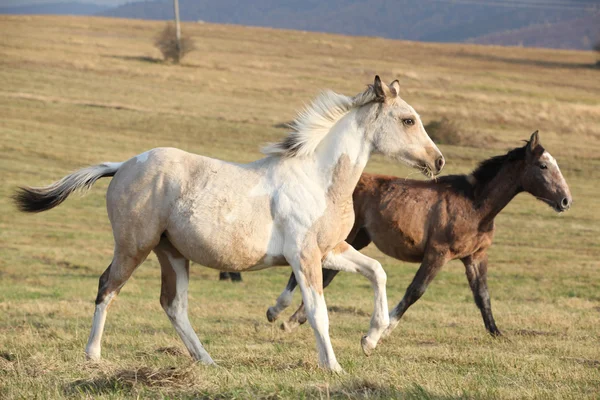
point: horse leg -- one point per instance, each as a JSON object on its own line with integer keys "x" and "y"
{"x": 174, "y": 297}
{"x": 345, "y": 258}
{"x": 426, "y": 273}
{"x": 284, "y": 300}
{"x": 111, "y": 282}
{"x": 299, "y": 317}
{"x": 307, "y": 270}
{"x": 224, "y": 276}
{"x": 477, "y": 275}
{"x": 360, "y": 237}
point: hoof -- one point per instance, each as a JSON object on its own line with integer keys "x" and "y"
{"x": 271, "y": 316}
{"x": 367, "y": 346}
{"x": 288, "y": 326}
{"x": 496, "y": 334}
{"x": 336, "y": 369}
{"x": 92, "y": 357}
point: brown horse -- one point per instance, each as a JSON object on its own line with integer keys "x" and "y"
{"x": 438, "y": 221}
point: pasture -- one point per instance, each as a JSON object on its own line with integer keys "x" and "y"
{"x": 78, "y": 91}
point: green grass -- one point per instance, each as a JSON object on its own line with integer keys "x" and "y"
{"x": 77, "y": 91}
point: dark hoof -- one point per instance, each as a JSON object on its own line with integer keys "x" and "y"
{"x": 496, "y": 333}
{"x": 223, "y": 276}
{"x": 271, "y": 315}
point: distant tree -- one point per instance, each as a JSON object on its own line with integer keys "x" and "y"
{"x": 172, "y": 48}
{"x": 170, "y": 43}
{"x": 597, "y": 49}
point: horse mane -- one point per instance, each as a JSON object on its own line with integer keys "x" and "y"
{"x": 486, "y": 171}
{"x": 315, "y": 121}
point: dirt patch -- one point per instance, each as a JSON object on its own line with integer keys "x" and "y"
{"x": 62, "y": 263}
{"x": 427, "y": 343}
{"x": 584, "y": 361}
{"x": 172, "y": 350}
{"x": 530, "y": 332}
{"x": 170, "y": 378}
{"x": 348, "y": 310}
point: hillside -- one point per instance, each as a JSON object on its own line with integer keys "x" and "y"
{"x": 579, "y": 33}
{"x": 58, "y": 8}
{"x": 426, "y": 20}
{"x": 77, "y": 91}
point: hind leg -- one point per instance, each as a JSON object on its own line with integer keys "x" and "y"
{"x": 174, "y": 297}
{"x": 111, "y": 282}
{"x": 284, "y": 300}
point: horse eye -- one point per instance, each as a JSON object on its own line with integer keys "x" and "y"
{"x": 543, "y": 166}
{"x": 408, "y": 121}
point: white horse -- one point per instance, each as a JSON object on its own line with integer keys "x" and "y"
{"x": 293, "y": 207}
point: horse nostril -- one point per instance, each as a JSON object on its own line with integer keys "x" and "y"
{"x": 439, "y": 163}
{"x": 565, "y": 203}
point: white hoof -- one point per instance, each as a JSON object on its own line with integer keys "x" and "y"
{"x": 367, "y": 346}
{"x": 335, "y": 368}
{"x": 92, "y": 355}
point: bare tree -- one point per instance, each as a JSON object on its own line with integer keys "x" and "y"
{"x": 170, "y": 42}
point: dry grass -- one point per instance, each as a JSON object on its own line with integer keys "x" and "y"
{"x": 77, "y": 91}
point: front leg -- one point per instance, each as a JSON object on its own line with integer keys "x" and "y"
{"x": 345, "y": 258}
{"x": 299, "y": 317}
{"x": 431, "y": 265}
{"x": 476, "y": 269}
{"x": 307, "y": 272}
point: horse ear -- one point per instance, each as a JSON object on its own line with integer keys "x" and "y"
{"x": 395, "y": 88}
{"x": 383, "y": 91}
{"x": 378, "y": 87}
{"x": 534, "y": 141}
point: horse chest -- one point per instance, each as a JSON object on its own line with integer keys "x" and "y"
{"x": 335, "y": 224}
{"x": 469, "y": 242}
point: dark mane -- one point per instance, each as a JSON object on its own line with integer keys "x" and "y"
{"x": 485, "y": 172}
{"x": 488, "y": 169}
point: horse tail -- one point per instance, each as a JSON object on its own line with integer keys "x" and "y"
{"x": 38, "y": 199}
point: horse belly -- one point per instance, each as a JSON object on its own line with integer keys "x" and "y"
{"x": 401, "y": 242}
{"x": 228, "y": 238}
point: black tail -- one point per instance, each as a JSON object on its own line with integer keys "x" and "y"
{"x": 38, "y": 199}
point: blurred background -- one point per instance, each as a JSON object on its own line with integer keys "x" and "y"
{"x": 565, "y": 24}
{"x": 91, "y": 81}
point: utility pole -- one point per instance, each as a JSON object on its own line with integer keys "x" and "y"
{"x": 177, "y": 27}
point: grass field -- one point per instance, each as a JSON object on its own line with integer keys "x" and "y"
{"x": 78, "y": 91}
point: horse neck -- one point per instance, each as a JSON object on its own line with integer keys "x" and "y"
{"x": 344, "y": 153}
{"x": 499, "y": 191}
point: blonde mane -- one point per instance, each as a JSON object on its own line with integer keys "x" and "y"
{"x": 315, "y": 121}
